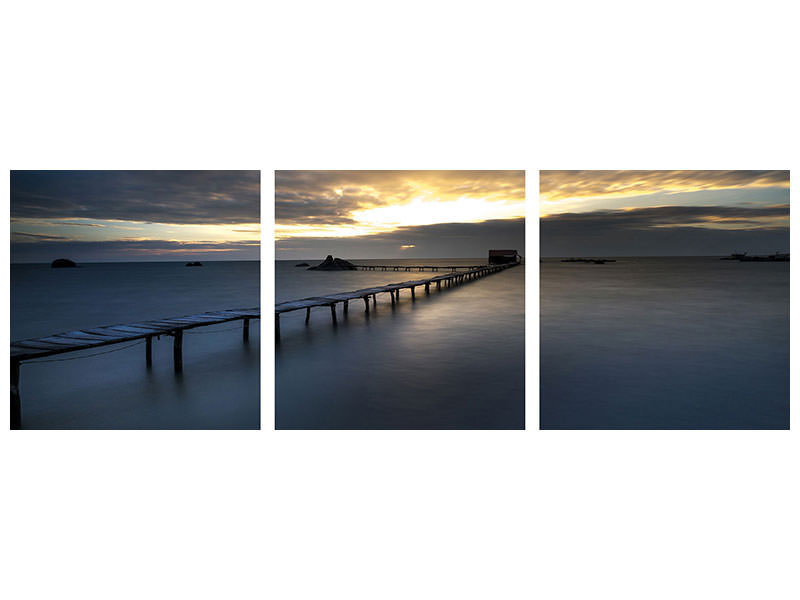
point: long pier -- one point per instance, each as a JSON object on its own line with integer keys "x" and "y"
{"x": 393, "y": 289}
{"x": 84, "y": 339}
{"x": 409, "y": 268}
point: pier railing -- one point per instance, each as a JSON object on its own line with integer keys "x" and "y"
{"x": 83, "y": 339}
{"x": 393, "y": 289}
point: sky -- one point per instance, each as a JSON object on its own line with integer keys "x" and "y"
{"x": 398, "y": 214}
{"x": 108, "y": 216}
{"x": 663, "y": 213}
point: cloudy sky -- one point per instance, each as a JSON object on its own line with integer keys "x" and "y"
{"x": 398, "y": 214}
{"x": 667, "y": 213}
{"x": 101, "y": 216}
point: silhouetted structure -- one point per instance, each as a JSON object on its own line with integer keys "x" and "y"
{"x": 503, "y": 257}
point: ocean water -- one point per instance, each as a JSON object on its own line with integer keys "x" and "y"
{"x": 452, "y": 360}
{"x": 664, "y": 343}
{"x": 219, "y": 386}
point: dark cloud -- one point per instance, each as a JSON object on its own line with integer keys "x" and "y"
{"x": 45, "y": 251}
{"x": 179, "y": 197}
{"x": 328, "y": 197}
{"x": 34, "y": 237}
{"x": 666, "y": 230}
{"x": 670, "y": 215}
{"x": 446, "y": 240}
{"x": 556, "y": 185}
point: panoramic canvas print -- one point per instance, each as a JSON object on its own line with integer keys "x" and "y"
{"x": 664, "y": 300}
{"x": 399, "y": 299}
{"x": 135, "y": 299}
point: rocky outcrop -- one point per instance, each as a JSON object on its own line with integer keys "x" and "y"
{"x": 301, "y": 265}
{"x": 62, "y": 263}
{"x": 333, "y": 264}
{"x": 194, "y": 264}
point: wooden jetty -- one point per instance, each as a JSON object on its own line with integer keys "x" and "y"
{"x": 409, "y": 268}
{"x": 73, "y": 341}
{"x": 393, "y": 289}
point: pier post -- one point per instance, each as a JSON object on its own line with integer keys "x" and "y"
{"x": 148, "y": 352}
{"x": 277, "y": 327}
{"x": 246, "y": 330}
{"x": 438, "y": 285}
{"x": 346, "y": 305}
{"x": 427, "y": 288}
{"x": 391, "y": 295}
{"x": 374, "y": 301}
{"x": 413, "y": 297}
{"x": 308, "y": 314}
{"x": 366, "y": 304}
{"x": 177, "y": 350}
{"x": 16, "y": 406}
{"x": 333, "y": 313}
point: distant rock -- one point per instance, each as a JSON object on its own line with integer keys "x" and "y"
{"x": 301, "y": 265}
{"x": 62, "y": 263}
{"x": 333, "y": 264}
{"x": 194, "y": 264}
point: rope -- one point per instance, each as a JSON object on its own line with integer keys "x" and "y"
{"x": 83, "y": 356}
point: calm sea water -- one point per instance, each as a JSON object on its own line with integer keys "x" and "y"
{"x": 664, "y": 343}
{"x": 453, "y": 359}
{"x": 219, "y": 386}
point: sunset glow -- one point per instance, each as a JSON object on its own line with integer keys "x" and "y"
{"x": 358, "y": 203}
{"x": 111, "y": 215}
{"x": 583, "y": 191}
{"x": 667, "y": 213}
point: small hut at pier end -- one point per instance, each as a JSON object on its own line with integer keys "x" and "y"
{"x": 503, "y": 257}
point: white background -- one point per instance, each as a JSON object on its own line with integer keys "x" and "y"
{"x": 411, "y": 85}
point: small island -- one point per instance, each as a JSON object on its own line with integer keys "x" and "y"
{"x": 334, "y": 264}
{"x": 62, "y": 263}
{"x": 301, "y": 265}
{"x": 194, "y": 264}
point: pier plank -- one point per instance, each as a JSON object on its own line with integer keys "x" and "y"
{"x": 105, "y": 333}
{"x": 131, "y": 329}
{"x": 81, "y": 336}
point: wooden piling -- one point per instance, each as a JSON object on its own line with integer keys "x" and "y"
{"x": 366, "y": 303}
{"x": 277, "y": 327}
{"x": 427, "y": 288}
{"x": 346, "y": 305}
{"x": 374, "y": 300}
{"x": 413, "y": 297}
{"x": 177, "y": 350}
{"x": 308, "y": 314}
{"x": 16, "y": 406}
{"x": 245, "y": 329}
{"x": 148, "y": 352}
{"x": 333, "y": 313}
